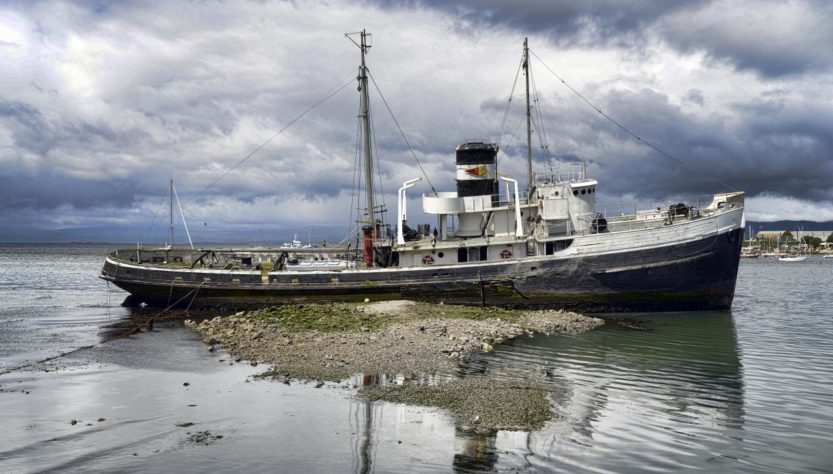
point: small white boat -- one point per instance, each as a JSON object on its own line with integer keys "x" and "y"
{"x": 792, "y": 258}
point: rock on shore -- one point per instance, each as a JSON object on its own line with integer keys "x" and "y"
{"x": 335, "y": 341}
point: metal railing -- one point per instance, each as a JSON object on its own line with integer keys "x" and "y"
{"x": 560, "y": 172}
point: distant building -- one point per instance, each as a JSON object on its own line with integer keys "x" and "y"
{"x": 774, "y": 234}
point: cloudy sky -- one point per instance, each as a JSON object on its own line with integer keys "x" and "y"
{"x": 102, "y": 102}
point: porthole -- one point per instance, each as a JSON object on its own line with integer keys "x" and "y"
{"x": 556, "y": 194}
{"x": 583, "y": 191}
{"x": 441, "y": 255}
{"x": 575, "y": 192}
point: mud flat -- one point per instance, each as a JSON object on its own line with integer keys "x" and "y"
{"x": 335, "y": 341}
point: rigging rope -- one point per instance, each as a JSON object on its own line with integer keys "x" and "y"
{"x": 620, "y": 126}
{"x": 396, "y": 122}
{"x": 509, "y": 102}
{"x": 377, "y": 160}
{"x": 502, "y": 151}
{"x": 356, "y": 172}
{"x": 156, "y": 216}
{"x": 320, "y": 101}
{"x": 540, "y": 129}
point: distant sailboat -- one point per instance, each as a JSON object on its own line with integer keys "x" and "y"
{"x": 748, "y": 251}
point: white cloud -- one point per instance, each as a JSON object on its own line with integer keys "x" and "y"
{"x": 769, "y": 208}
{"x": 138, "y": 93}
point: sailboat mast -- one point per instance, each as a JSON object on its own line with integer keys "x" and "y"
{"x": 528, "y": 119}
{"x": 365, "y": 118}
{"x": 171, "y": 216}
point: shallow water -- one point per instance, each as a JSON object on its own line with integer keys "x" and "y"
{"x": 750, "y": 390}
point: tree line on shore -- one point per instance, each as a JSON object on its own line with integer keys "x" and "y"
{"x": 788, "y": 240}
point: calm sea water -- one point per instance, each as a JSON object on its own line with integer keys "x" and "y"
{"x": 746, "y": 391}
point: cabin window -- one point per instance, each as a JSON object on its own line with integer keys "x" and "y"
{"x": 549, "y": 248}
{"x": 246, "y": 261}
{"x": 472, "y": 254}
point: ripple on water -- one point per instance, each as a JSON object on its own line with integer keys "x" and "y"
{"x": 748, "y": 390}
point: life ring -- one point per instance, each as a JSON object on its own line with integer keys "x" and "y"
{"x": 427, "y": 260}
{"x": 506, "y": 253}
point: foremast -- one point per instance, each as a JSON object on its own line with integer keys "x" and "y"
{"x": 364, "y": 116}
{"x": 370, "y": 227}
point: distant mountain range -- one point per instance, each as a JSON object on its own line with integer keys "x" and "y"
{"x": 130, "y": 234}
{"x": 790, "y": 225}
{"x": 265, "y": 236}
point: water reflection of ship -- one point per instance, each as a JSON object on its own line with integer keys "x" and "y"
{"x": 475, "y": 451}
{"x": 361, "y": 413}
{"x": 686, "y": 366}
{"x": 361, "y": 424}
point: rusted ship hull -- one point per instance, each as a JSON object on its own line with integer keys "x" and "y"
{"x": 696, "y": 275}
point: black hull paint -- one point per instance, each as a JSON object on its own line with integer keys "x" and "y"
{"x": 699, "y": 275}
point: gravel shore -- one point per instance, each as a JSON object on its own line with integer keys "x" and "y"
{"x": 334, "y": 341}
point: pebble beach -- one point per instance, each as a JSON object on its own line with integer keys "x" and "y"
{"x": 335, "y": 341}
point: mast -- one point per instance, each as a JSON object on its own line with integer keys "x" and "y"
{"x": 365, "y": 118}
{"x": 171, "y": 216}
{"x": 528, "y": 119}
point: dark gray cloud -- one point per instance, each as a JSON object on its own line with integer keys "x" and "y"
{"x": 770, "y": 37}
{"x": 564, "y": 21}
{"x": 766, "y": 148}
{"x": 20, "y": 193}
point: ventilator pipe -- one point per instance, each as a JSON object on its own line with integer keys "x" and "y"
{"x": 402, "y": 208}
{"x": 519, "y": 230}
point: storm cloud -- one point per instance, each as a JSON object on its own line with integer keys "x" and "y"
{"x": 770, "y": 37}
{"x": 101, "y": 104}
